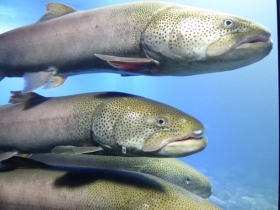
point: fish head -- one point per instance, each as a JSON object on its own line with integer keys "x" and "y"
{"x": 187, "y": 40}
{"x": 195, "y": 182}
{"x": 135, "y": 126}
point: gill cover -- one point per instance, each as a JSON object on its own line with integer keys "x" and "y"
{"x": 183, "y": 33}
{"x": 127, "y": 123}
{"x": 156, "y": 37}
{"x": 117, "y": 124}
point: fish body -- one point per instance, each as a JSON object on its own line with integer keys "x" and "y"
{"x": 52, "y": 187}
{"x": 141, "y": 38}
{"x": 168, "y": 169}
{"x": 119, "y": 123}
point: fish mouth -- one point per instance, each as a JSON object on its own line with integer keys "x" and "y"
{"x": 187, "y": 140}
{"x": 205, "y": 194}
{"x": 194, "y": 136}
{"x": 257, "y": 41}
{"x": 172, "y": 143}
{"x": 183, "y": 146}
{"x": 230, "y": 45}
{"x": 190, "y": 137}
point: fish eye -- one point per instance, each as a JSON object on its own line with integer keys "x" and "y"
{"x": 160, "y": 121}
{"x": 188, "y": 180}
{"x": 228, "y": 23}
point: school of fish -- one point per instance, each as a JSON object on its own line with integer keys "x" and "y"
{"x": 127, "y": 133}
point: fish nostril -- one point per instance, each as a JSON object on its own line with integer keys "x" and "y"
{"x": 183, "y": 120}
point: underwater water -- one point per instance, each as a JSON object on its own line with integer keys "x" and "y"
{"x": 238, "y": 108}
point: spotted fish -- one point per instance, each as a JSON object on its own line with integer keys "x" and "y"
{"x": 114, "y": 123}
{"x": 50, "y": 187}
{"x": 169, "y": 169}
{"x": 140, "y": 38}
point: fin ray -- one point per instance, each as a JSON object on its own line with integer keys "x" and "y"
{"x": 33, "y": 80}
{"x": 126, "y": 63}
{"x": 54, "y": 10}
{"x": 55, "y": 82}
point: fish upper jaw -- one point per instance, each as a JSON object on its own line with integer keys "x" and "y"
{"x": 264, "y": 40}
{"x": 196, "y": 135}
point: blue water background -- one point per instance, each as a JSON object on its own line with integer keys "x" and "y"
{"x": 238, "y": 108}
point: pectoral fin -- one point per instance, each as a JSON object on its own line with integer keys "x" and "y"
{"x": 72, "y": 150}
{"x": 131, "y": 64}
{"x": 55, "y": 82}
{"x": 7, "y": 155}
{"x": 33, "y": 80}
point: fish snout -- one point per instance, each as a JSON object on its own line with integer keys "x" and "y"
{"x": 182, "y": 139}
{"x": 258, "y": 37}
{"x": 187, "y": 143}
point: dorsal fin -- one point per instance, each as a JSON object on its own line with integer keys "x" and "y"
{"x": 18, "y": 97}
{"x": 54, "y": 10}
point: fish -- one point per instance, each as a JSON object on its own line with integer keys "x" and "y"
{"x": 168, "y": 169}
{"x": 107, "y": 122}
{"x": 50, "y": 187}
{"x": 139, "y": 38}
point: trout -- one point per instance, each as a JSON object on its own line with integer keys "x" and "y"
{"x": 50, "y": 187}
{"x": 140, "y": 38}
{"x": 168, "y": 169}
{"x": 116, "y": 123}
